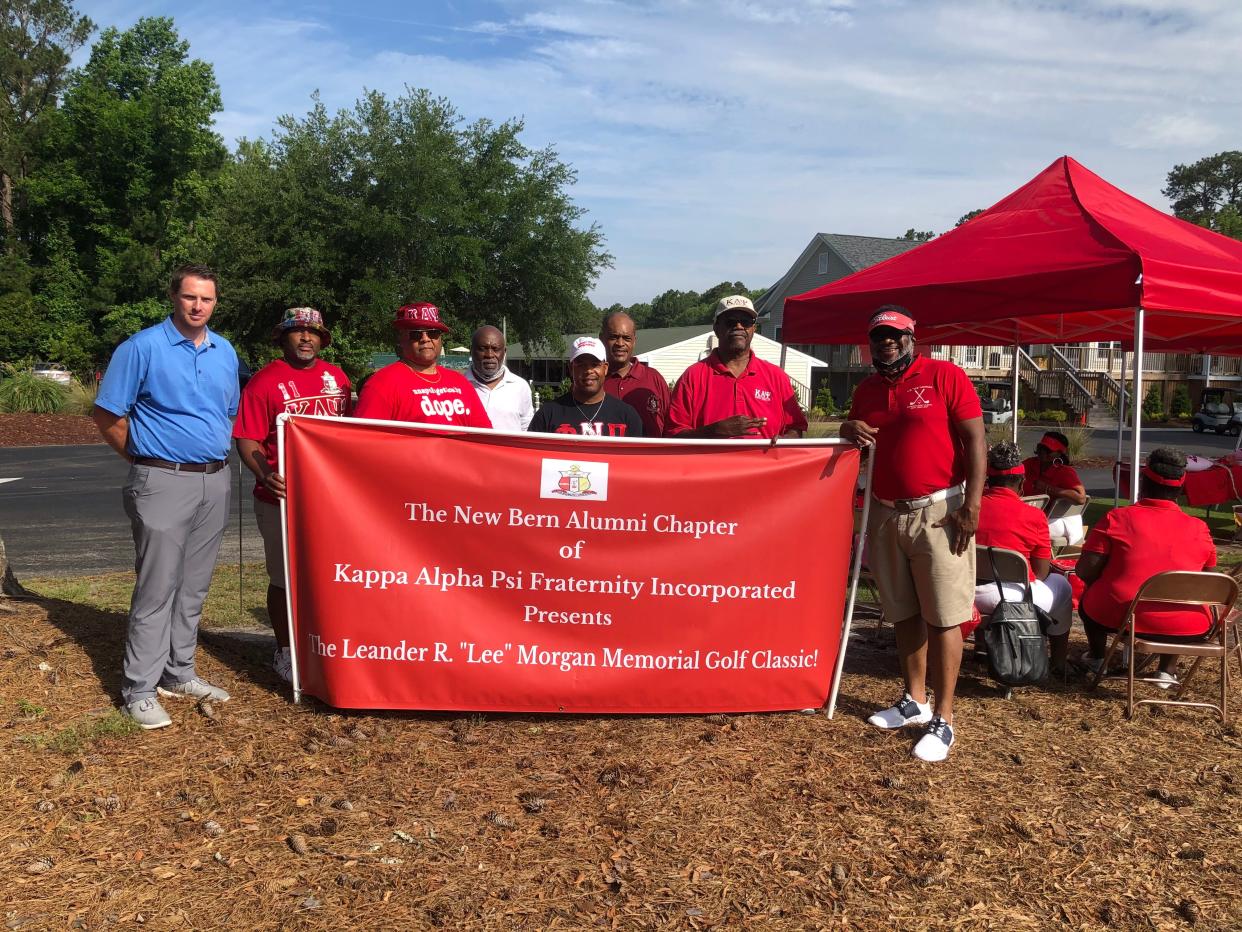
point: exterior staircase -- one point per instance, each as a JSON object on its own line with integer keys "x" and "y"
{"x": 1063, "y": 385}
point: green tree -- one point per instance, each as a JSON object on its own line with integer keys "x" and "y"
{"x": 397, "y": 200}
{"x": 130, "y": 165}
{"x": 1208, "y": 192}
{"x": 1180, "y": 406}
{"x": 1153, "y": 403}
{"x": 917, "y": 236}
{"x": 968, "y": 216}
{"x": 37, "y": 38}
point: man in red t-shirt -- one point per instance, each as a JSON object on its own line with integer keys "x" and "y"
{"x": 415, "y": 388}
{"x": 631, "y": 380}
{"x": 297, "y": 383}
{"x": 734, "y": 393}
{"x": 1130, "y": 545}
{"x": 923, "y": 420}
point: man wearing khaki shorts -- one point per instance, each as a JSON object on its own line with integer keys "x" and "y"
{"x": 923, "y": 421}
{"x": 297, "y": 383}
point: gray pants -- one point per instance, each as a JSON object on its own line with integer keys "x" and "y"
{"x": 178, "y": 520}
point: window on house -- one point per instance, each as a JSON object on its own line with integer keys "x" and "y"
{"x": 823, "y": 263}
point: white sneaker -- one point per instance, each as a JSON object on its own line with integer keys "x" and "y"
{"x": 1164, "y": 680}
{"x": 282, "y": 663}
{"x": 148, "y": 713}
{"x": 905, "y": 712}
{"x": 937, "y": 738}
{"x": 195, "y": 689}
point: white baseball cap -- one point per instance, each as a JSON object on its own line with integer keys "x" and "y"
{"x": 587, "y": 346}
{"x": 734, "y": 302}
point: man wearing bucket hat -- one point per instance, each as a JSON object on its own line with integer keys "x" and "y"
{"x": 924, "y": 421}
{"x": 586, "y": 408}
{"x": 415, "y": 388}
{"x": 734, "y": 393}
{"x": 299, "y": 382}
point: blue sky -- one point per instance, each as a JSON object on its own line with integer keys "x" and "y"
{"x": 713, "y": 139}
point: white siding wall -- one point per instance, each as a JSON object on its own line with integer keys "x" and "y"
{"x": 672, "y": 361}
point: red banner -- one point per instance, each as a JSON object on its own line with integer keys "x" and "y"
{"x": 432, "y": 569}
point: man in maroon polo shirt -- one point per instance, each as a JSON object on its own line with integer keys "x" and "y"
{"x": 630, "y": 379}
{"x": 734, "y": 393}
{"x": 923, "y": 419}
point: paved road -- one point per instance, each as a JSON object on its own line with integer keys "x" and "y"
{"x": 63, "y": 515}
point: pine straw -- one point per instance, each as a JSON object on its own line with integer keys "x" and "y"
{"x": 1053, "y": 809}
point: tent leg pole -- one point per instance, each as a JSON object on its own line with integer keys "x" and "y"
{"x": 1137, "y": 403}
{"x": 1017, "y": 385}
{"x": 1121, "y": 420}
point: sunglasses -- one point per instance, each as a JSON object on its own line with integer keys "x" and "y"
{"x": 731, "y": 322}
{"x": 419, "y": 334}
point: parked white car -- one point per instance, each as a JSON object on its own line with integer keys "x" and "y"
{"x": 53, "y": 371}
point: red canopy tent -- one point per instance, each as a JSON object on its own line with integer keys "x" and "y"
{"x": 1067, "y": 257}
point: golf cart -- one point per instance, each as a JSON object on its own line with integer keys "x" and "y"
{"x": 1219, "y": 411}
{"x": 996, "y": 400}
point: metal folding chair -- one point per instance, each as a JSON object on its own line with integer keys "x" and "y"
{"x": 1215, "y": 591}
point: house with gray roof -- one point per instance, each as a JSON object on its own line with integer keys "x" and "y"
{"x": 827, "y": 257}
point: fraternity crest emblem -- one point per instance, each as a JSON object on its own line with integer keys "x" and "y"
{"x": 574, "y": 479}
{"x": 330, "y": 385}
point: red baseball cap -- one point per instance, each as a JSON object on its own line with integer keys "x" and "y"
{"x": 891, "y": 316}
{"x": 419, "y": 316}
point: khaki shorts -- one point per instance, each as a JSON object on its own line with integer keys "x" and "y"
{"x": 267, "y": 516}
{"x": 915, "y": 568}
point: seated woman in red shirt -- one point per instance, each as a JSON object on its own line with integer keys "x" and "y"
{"x": 1130, "y": 545}
{"x": 1049, "y": 473}
{"x": 1007, "y": 521}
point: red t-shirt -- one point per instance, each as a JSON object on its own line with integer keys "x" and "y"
{"x": 918, "y": 450}
{"x": 398, "y": 393}
{"x": 1059, "y": 477}
{"x": 1007, "y": 521}
{"x": 644, "y": 390}
{"x": 279, "y": 388}
{"x": 708, "y": 392}
{"x": 1141, "y": 540}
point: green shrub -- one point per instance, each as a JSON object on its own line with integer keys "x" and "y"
{"x": 1181, "y": 401}
{"x": 80, "y": 399}
{"x": 1077, "y": 437}
{"x": 817, "y": 413}
{"x": 1153, "y": 404}
{"x": 825, "y": 402}
{"x": 1056, "y": 415}
{"x": 26, "y": 393}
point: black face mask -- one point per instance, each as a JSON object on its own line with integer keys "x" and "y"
{"x": 894, "y": 369}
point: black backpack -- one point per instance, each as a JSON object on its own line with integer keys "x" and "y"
{"x": 1014, "y": 636}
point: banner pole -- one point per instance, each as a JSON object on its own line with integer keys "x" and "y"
{"x": 1121, "y": 421}
{"x": 284, "y": 541}
{"x": 1136, "y": 404}
{"x": 855, "y": 572}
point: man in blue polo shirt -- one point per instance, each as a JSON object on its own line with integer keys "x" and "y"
{"x": 164, "y": 406}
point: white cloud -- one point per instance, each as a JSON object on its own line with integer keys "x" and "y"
{"x": 713, "y": 139}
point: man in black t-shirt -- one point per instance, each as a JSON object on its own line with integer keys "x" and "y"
{"x": 586, "y": 409}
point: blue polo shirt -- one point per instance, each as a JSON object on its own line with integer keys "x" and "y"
{"x": 178, "y": 396}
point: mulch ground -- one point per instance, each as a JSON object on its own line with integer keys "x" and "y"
{"x": 35, "y": 430}
{"x": 1053, "y": 810}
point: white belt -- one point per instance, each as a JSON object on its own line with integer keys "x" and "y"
{"x": 906, "y": 505}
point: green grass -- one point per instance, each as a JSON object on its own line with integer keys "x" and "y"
{"x": 71, "y": 739}
{"x": 820, "y": 429}
{"x": 110, "y": 592}
{"x": 29, "y": 709}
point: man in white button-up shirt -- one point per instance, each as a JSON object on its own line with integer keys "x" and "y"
{"x": 505, "y": 396}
